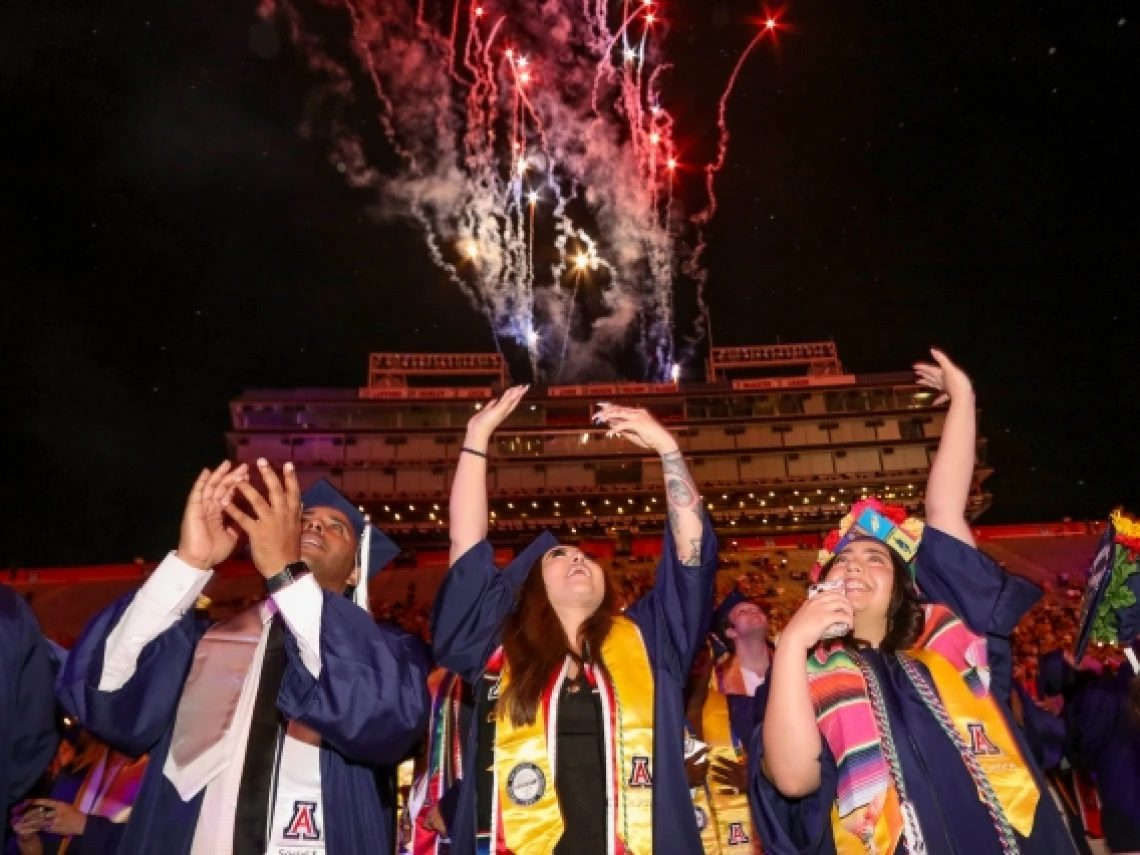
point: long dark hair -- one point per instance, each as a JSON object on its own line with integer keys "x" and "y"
{"x": 905, "y": 616}
{"x": 535, "y": 644}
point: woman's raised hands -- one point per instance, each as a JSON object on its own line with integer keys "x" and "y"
{"x": 944, "y": 377}
{"x": 484, "y": 423}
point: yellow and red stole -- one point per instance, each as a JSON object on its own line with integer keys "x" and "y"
{"x": 526, "y": 817}
{"x": 727, "y": 825}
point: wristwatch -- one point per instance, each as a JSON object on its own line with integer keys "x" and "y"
{"x": 291, "y": 573}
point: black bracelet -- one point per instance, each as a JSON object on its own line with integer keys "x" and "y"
{"x": 473, "y": 451}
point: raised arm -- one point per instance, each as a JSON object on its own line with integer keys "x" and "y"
{"x": 682, "y": 595}
{"x": 790, "y": 736}
{"x": 948, "y": 489}
{"x": 125, "y": 673}
{"x": 681, "y": 494}
{"x": 468, "y": 509}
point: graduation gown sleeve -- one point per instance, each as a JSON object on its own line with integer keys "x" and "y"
{"x": 989, "y": 600}
{"x": 28, "y": 737}
{"x": 468, "y": 613}
{"x": 673, "y": 619}
{"x": 678, "y": 610}
{"x": 100, "y": 837}
{"x": 370, "y": 701}
{"x": 134, "y": 717}
{"x": 1044, "y": 732}
{"x": 790, "y": 826}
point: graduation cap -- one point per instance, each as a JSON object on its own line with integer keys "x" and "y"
{"x": 717, "y": 637}
{"x": 517, "y": 571}
{"x": 871, "y": 518}
{"x": 1110, "y": 608}
{"x": 374, "y": 551}
{"x": 720, "y": 615}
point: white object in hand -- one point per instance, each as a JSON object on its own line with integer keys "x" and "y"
{"x": 840, "y": 628}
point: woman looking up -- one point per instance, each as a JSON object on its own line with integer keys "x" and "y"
{"x": 577, "y": 745}
{"x": 897, "y": 736}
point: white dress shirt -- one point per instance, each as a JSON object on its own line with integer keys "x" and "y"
{"x": 752, "y": 680}
{"x": 160, "y": 603}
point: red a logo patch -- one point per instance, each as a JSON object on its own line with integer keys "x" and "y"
{"x": 303, "y": 824}
{"x": 640, "y": 775}
{"x": 980, "y": 743}
{"x": 737, "y": 836}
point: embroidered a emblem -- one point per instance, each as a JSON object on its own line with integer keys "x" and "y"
{"x": 640, "y": 775}
{"x": 980, "y": 743}
{"x": 737, "y": 836}
{"x": 303, "y": 824}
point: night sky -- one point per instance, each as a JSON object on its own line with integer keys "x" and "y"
{"x": 900, "y": 174}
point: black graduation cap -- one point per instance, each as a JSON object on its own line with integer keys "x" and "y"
{"x": 374, "y": 551}
{"x": 733, "y": 599}
{"x": 517, "y": 571}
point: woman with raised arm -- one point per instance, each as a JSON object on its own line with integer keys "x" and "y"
{"x": 896, "y": 735}
{"x": 577, "y": 745}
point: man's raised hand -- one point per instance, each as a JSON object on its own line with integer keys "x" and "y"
{"x": 275, "y": 528}
{"x": 206, "y": 540}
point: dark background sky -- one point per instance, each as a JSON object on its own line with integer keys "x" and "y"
{"x": 900, "y": 173}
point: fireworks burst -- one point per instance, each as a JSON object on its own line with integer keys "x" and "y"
{"x": 536, "y": 155}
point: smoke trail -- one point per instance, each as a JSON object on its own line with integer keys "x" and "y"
{"x": 533, "y": 153}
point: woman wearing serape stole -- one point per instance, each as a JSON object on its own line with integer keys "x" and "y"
{"x": 897, "y": 736}
{"x": 578, "y": 743}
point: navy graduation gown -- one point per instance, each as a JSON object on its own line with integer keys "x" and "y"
{"x": 953, "y": 819}
{"x": 1104, "y": 738}
{"x": 369, "y": 705}
{"x": 28, "y": 736}
{"x": 467, "y": 620}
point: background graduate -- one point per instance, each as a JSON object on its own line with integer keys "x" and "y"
{"x": 28, "y": 735}
{"x": 1102, "y": 713}
{"x": 897, "y": 737}
{"x": 91, "y": 798}
{"x": 720, "y": 709}
{"x": 578, "y": 741}
{"x": 267, "y": 732}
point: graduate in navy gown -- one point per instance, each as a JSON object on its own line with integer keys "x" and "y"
{"x": 720, "y": 707}
{"x": 887, "y": 727}
{"x": 28, "y": 735}
{"x": 91, "y": 799}
{"x": 274, "y": 730}
{"x": 565, "y": 685}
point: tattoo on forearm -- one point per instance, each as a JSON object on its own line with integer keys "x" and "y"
{"x": 682, "y": 496}
{"x": 682, "y": 492}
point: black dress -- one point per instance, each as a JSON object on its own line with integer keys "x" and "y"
{"x": 580, "y": 770}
